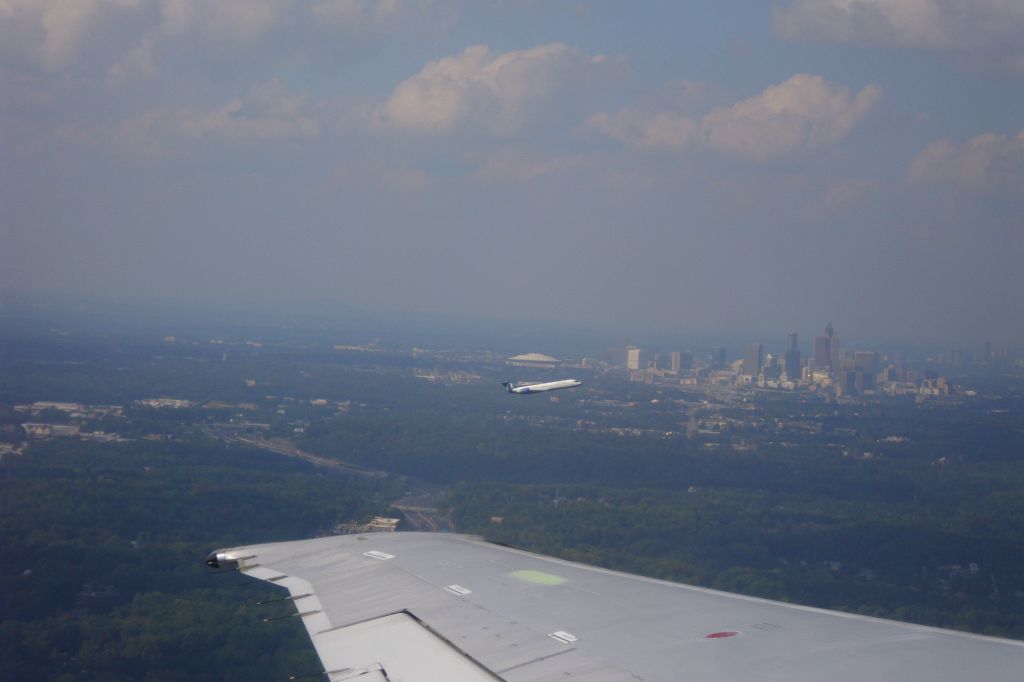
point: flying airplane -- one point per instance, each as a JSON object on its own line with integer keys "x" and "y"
{"x": 540, "y": 388}
{"x": 455, "y": 608}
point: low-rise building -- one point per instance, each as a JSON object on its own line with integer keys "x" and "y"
{"x": 36, "y": 430}
{"x": 532, "y": 360}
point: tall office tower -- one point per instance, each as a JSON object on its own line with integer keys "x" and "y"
{"x": 686, "y": 360}
{"x": 636, "y": 358}
{"x": 752, "y": 359}
{"x": 845, "y": 382}
{"x": 826, "y": 350}
{"x": 822, "y": 357}
{"x": 792, "y": 358}
{"x": 861, "y": 381}
{"x": 772, "y": 367}
{"x": 675, "y": 361}
{"x": 719, "y": 358}
{"x": 866, "y": 362}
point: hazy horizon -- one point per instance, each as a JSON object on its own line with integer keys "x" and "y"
{"x": 145, "y": 318}
{"x": 665, "y": 168}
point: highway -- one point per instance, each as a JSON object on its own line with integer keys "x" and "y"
{"x": 418, "y": 506}
{"x": 290, "y": 451}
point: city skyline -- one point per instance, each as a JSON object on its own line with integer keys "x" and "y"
{"x": 140, "y": 318}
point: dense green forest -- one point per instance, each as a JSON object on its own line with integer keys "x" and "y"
{"x": 955, "y": 560}
{"x": 103, "y": 549}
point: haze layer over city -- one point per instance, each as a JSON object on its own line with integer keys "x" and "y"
{"x": 274, "y": 270}
{"x": 682, "y": 166}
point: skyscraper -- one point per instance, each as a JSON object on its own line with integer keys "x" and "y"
{"x": 674, "y": 361}
{"x": 668, "y": 362}
{"x": 826, "y": 350}
{"x": 719, "y": 358}
{"x": 752, "y": 359}
{"x": 680, "y": 360}
{"x": 636, "y": 358}
{"x": 822, "y": 358}
{"x": 792, "y": 358}
{"x": 866, "y": 363}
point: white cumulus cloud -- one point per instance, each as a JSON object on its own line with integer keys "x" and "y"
{"x": 267, "y": 112}
{"x": 981, "y": 27}
{"x": 238, "y": 21}
{"x": 52, "y": 33}
{"x": 662, "y": 131}
{"x": 989, "y": 161}
{"x": 500, "y": 94}
{"x": 133, "y": 39}
{"x": 139, "y": 62}
{"x": 223, "y": 23}
{"x": 802, "y": 112}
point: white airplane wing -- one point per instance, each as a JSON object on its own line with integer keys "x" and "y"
{"x": 423, "y": 606}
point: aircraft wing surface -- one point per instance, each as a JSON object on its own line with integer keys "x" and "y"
{"x": 425, "y": 606}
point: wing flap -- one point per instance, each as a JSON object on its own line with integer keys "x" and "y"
{"x": 400, "y": 648}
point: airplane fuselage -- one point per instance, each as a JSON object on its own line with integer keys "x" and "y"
{"x": 541, "y": 388}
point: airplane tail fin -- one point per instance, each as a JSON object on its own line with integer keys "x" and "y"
{"x": 507, "y": 385}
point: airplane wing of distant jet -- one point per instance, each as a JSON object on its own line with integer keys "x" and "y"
{"x": 541, "y": 388}
{"x": 453, "y": 608}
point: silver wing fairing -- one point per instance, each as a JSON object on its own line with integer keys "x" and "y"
{"x": 423, "y": 606}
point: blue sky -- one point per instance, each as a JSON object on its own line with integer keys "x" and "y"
{"x": 698, "y": 166}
